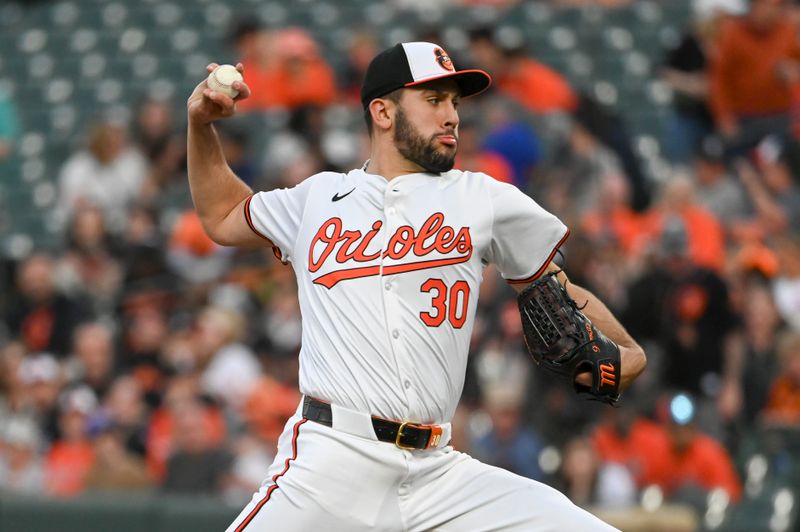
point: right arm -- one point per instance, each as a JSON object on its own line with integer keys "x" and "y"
{"x": 218, "y": 194}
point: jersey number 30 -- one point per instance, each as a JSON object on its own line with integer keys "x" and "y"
{"x": 447, "y": 304}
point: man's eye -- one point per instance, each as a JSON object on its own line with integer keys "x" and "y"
{"x": 433, "y": 100}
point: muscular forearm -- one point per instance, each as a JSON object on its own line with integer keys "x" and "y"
{"x": 633, "y": 360}
{"x": 216, "y": 190}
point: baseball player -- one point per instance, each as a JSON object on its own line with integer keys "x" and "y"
{"x": 389, "y": 258}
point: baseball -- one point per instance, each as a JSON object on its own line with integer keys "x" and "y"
{"x": 222, "y": 78}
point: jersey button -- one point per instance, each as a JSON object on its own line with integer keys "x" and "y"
{"x": 395, "y": 334}
{"x": 388, "y": 285}
{"x": 407, "y": 384}
{"x": 391, "y": 211}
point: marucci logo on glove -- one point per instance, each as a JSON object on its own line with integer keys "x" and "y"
{"x": 351, "y": 247}
{"x": 607, "y": 374}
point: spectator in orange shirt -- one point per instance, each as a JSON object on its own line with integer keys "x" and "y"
{"x": 696, "y": 461}
{"x": 471, "y": 155}
{"x": 284, "y": 69}
{"x": 309, "y": 79}
{"x": 257, "y": 50}
{"x": 706, "y": 238}
{"x": 612, "y": 216}
{"x": 753, "y": 74}
{"x": 71, "y": 457}
{"x": 783, "y": 405}
{"x": 533, "y": 84}
{"x": 641, "y": 445}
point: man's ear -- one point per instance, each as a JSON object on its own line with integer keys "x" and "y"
{"x": 382, "y": 111}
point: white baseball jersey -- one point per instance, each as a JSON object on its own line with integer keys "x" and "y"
{"x": 388, "y": 275}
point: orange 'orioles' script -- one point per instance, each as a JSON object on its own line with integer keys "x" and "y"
{"x": 347, "y": 247}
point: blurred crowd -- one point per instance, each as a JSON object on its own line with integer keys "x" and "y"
{"x": 142, "y": 356}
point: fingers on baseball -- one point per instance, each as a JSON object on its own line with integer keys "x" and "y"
{"x": 223, "y": 101}
{"x": 244, "y": 90}
{"x": 212, "y": 67}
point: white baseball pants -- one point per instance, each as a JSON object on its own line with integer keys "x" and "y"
{"x": 327, "y": 479}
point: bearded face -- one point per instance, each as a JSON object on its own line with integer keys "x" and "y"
{"x": 420, "y": 150}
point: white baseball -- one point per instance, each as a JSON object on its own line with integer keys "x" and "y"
{"x": 222, "y": 78}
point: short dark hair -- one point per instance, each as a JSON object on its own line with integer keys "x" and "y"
{"x": 393, "y": 96}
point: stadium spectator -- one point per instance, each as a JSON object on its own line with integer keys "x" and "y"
{"x": 783, "y": 405}
{"x": 611, "y": 217}
{"x": 512, "y": 139}
{"x": 639, "y": 444}
{"x": 192, "y": 255}
{"x": 685, "y": 70}
{"x": 509, "y": 443}
{"x": 40, "y": 315}
{"x": 153, "y": 127}
{"x": 251, "y": 457}
{"x": 705, "y": 236}
{"x": 235, "y": 141}
{"x": 686, "y": 309}
{"x": 267, "y": 407}
{"x": 257, "y": 51}
{"x": 115, "y": 467}
{"x": 696, "y": 460}
{"x": 363, "y": 47}
{"x": 772, "y": 189}
{"x": 229, "y": 369}
{"x": 717, "y": 190}
{"x": 21, "y": 468}
{"x": 284, "y": 68}
{"x": 304, "y": 69}
{"x": 163, "y": 425}
{"x": 71, "y": 457}
{"x": 40, "y": 381}
{"x": 88, "y": 268}
{"x": 531, "y": 83}
{"x": 143, "y": 253}
{"x": 124, "y": 408}
{"x": 753, "y": 74}
{"x": 759, "y": 365}
{"x": 108, "y": 174}
{"x": 197, "y": 464}
{"x": 93, "y": 358}
{"x": 472, "y": 155}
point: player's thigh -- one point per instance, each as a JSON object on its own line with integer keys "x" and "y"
{"x": 470, "y": 496}
{"x": 323, "y": 478}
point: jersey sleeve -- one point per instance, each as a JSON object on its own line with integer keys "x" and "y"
{"x": 276, "y": 215}
{"x": 525, "y": 237}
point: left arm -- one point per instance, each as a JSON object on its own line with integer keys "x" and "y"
{"x": 632, "y": 356}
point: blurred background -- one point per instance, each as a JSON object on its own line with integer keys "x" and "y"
{"x": 146, "y": 373}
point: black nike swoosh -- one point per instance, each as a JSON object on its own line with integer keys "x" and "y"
{"x": 337, "y": 197}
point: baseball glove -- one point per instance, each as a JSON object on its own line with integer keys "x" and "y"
{"x": 563, "y": 341}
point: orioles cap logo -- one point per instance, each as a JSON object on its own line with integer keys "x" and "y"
{"x": 444, "y": 60}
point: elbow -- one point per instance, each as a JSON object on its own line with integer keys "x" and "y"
{"x": 639, "y": 360}
{"x": 213, "y": 232}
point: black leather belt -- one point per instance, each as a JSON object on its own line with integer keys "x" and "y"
{"x": 404, "y": 435}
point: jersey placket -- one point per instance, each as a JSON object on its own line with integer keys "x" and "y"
{"x": 391, "y": 294}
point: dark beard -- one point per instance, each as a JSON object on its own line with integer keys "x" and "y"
{"x": 416, "y": 149}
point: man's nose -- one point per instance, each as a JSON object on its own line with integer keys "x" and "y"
{"x": 451, "y": 118}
